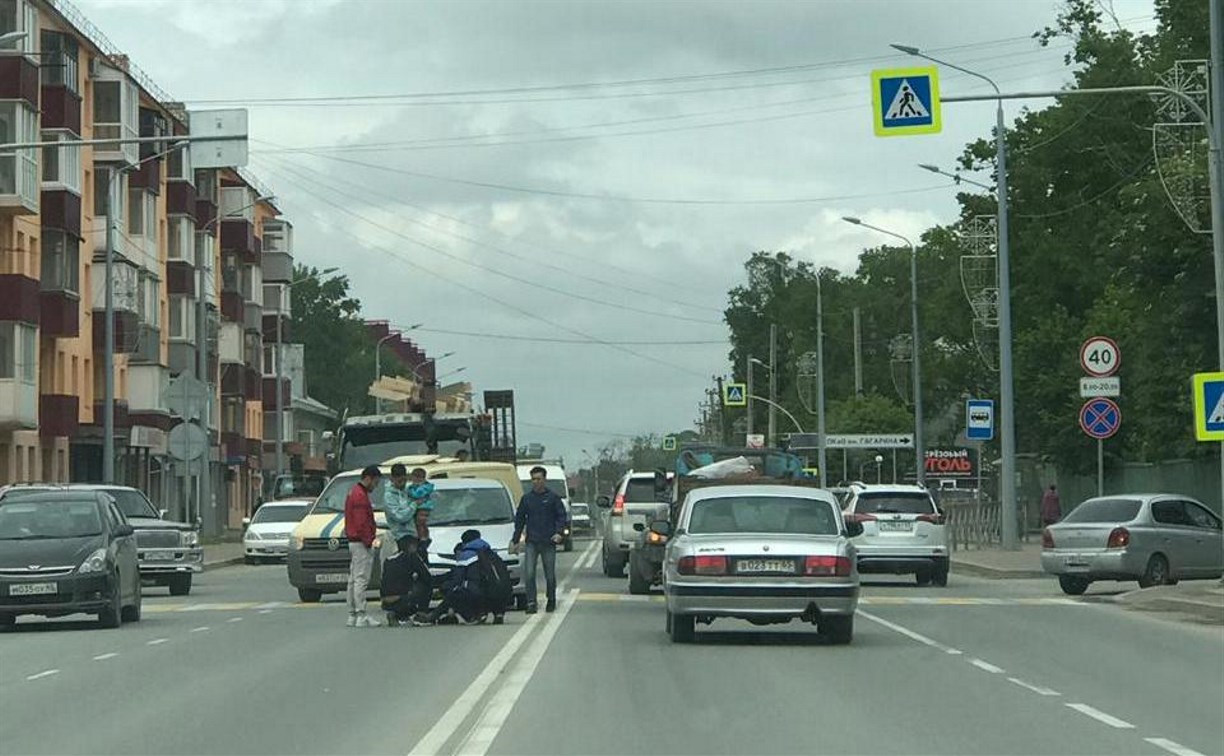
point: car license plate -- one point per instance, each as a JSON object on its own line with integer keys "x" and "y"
{"x": 160, "y": 556}
{"x": 748, "y": 566}
{"x": 1075, "y": 562}
{"x": 332, "y": 577}
{"x": 896, "y": 526}
{"x": 32, "y": 589}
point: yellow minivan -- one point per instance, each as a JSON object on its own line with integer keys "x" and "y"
{"x": 318, "y": 550}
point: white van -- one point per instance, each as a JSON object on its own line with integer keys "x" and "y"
{"x": 556, "y": 482}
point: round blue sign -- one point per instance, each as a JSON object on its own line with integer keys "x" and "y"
{"x": 1100, "y": 417}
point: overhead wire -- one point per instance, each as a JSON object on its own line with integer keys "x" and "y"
{"x": 557, "y": 340}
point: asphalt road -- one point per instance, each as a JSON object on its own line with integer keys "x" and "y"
{"x": 979, "y": 667}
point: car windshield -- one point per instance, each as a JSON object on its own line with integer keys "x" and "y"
{"x": 132, "y": 503}
{"x": 280, "y": 513}
{"x": 22, "y": 519}
{"x": 894, "y": 503}
{"x": 1105, "y": 510}
{"x": 332, "y": 499}
{"x": 451, "y": 506}
{"x": 763, "y": 514}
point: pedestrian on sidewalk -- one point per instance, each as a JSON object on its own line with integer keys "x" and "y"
{"x": 540, "y": 523}
{"x": 1051, "y": 508}
{"x": 361, "y": 531}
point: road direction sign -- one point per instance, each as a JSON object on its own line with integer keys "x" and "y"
{"x": 1209, "y": 406}
{"x": 869, "y": 441}
{"x": 1093, "y": 387}
{"x": 735, "y": 395}
{"x": 905, "y": 101}
{"x": 979, "y": 419}
{"x": 1100, "y": 356}
{"x": 1100, "y": 417}
{"x": 669, "y": 443}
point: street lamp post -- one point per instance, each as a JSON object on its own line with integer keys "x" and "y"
{"x": 773, "y": 397}
{"x": 879, "y": 460}
{"x": 919, "y": 461}
{"x": 378, "y": 357}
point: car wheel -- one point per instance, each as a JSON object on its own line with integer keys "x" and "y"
{"x": 1156, "y": 572}
{"x": 1072, "y": 585}
{"x": 180, "y": 585}
{"x": 250, "y": 560}
{"x": 923, "y": 577}
{"x": 112, "y": 616}
{"x": 837, "y": 628}
{"x": 310, "y": 595}
{"x": 613, "y": 568}
{"x": 682, "y": 627}
{"x": 638, "y": 585}
{"x": 132, "y": 613}
{"x": 940, "y": 577}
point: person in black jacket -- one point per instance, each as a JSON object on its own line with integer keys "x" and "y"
{"x": 540, "y": 523}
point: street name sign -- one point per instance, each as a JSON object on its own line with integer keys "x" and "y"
{"x": 905, "y": 101}
{"x": 869, "y": 441}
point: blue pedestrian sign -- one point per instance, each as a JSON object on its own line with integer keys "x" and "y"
{"x": 1100, "y": 417}
{"x": 979, "y": 419}
{"x": 735, "y": 395}
{"x": 905, "y": 101}
{"x": 1209, "y": 406}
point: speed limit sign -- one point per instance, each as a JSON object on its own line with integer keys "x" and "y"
{"x": 1100, "y": 356}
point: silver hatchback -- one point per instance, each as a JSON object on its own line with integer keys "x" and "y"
{"x": 1156, "y": 539}
{"x": 763, "y": 553}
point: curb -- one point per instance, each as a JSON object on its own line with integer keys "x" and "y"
{"x": 1207, "y": 610}
{"x": 994, "y": 573}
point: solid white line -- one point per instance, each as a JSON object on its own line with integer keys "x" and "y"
{"x": 986, "y": 666}
{"x": 157, "y": 641}
{"x": 41, "y": 675}
{"x": 903, "y": 630}
{"x": 104, "y": 657}
{"x": 199, "y": 629}
{"x": 499, "y": 707}
{"x": 1035, "y": 688}
{"x": 265, "y": 611}
{"x": 1101, "y": 716}
{"x": 270, "y": 605}
{"x": 1172, "y": 747}
{"x": 450, "y": 722}
{"x": 234, "y": 619}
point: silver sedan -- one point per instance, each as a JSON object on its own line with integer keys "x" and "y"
{"x": 763, "y": 553}
{"x": 1156, "y": 539}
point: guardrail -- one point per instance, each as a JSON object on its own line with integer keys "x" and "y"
{"x": 976, "y": 524}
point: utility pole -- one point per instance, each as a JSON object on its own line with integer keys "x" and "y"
{"x": 858, "y": 348}
{"x": 820, "y": 387}
{"x": 1216, "y": 167}
{"x": 772, "y": 436}
{"x": 722, "y": 431}
{"x": 748, "y": 399}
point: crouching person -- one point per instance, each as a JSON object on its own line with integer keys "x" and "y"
{"x": 477, "y": 586}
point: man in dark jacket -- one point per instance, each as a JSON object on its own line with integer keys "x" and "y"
{"x": 463, "y": 592}
{"x": 360, "y": 530}
{"x": 540, "y": 522}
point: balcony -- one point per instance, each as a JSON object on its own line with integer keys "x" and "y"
{"x": 235, "y": 446}
{"x": 19, "y": 298}
{"x": 61, "y": 105}
{"x": 288, "y": 435}
{"x": 269, "y": 328}
{"x": 205, "y": 213}
{"x": 20, "y": 182}
{"x": 181, "y": 357}
{"x": 232, "y": 306}
{"x": 252, "y": 384}
{"x": 180, "y": 278}
{"x": 147, "y": 400}
{"x": 180, "y": 198}
{"x": 277, "y": 267}
{"x": 60, "y": 314}
{"x": 122, "y": 418}
{"x": 127, "y": 321}
{"x": 61, "y": 210}
{"x": 147, "y": 177}
{"x": 253, "y": 317}
{"x": 58, "y": 415}
{"x": 238, "y": 236}
{"x": 18, "y": 405}
{"x": 269, "y": 393}
{"x": 230, "y": 344}
{"x": 19, "y": 79}
{"x": 148, "y": 345}
{"x": 232, "y": 380}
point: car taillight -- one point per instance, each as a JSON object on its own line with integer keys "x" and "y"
{"x": 827, "y": 566}
{"x": 934, "y": 519}
{"x": 1047, "y": 539}
{"x": 856, "y": 517}
{"x": 653, "y": 537}
{"x": 1119, "y": 538}
{"x": 618, "y": 506}
{"x": 703, "y": 565}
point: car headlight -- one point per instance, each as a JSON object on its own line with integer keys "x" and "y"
{"x": 95, "y": 562}
{"x": 252, "y": 536}
{"x": 189, "y": 538}
{"x": 296, "y": 543}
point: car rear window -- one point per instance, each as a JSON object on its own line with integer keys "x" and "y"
{"x": 280, "y": 513}
{"x": 1105, "y": 510}
{"x": 643, "y": 490}
{"x": 894, "y": 503}
{"x": 763, "y": 514}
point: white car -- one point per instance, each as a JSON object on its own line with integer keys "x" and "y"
{"x": 267, "y": 533}
{"x": 903, "y": 532}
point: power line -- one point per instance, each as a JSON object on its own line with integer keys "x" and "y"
{"x": 582, "y": 431}
{"x": 548, "y": 340}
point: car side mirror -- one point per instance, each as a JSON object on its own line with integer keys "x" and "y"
{"x": 854, "y": 529}
{"x": 162, "y": 513}
{"x": 124, "y": 530}
{"x": 661, "y": 527}
{"x": 246, "y": 521}
{"x": 603, "y": 502}
{"x": 639, "y": 526}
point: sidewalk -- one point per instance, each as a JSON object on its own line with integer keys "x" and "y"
{"x": 994, "y": 562}
{"x": 1202, "y": 599}
{"x": 222, "y": 554}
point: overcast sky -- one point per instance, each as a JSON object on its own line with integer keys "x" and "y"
{"x": 550, "y": 237}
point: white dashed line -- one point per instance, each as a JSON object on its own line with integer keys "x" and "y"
{"x": 41, "y": 675}
{"x": 1035, "y": 688}
{"x": 201, "y": 629}
{"x": 1101, "y": 716}
{"x": 954, "y": 651}
{"x": 1174, "y": 748}
{"x": 265, "y": 611}
{"x": 905, "y": 631}
{"x": 157, "y": 641}
{"x": 104, "y": 657}
{"x": 234, "y": 619}
{"x": 987, "y": 666}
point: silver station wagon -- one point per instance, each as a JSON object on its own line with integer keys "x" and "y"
{"x": 767, "y": 554}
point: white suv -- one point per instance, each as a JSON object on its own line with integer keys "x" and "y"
{"x": 903, "y": 532}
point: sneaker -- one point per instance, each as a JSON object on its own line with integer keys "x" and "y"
{"x": 352, "y": 621}
{"x": 479, "y": 620}
{"x": 531, "y": 609}
{"x": 499, "y": 619}
{"x": 449, "y": 619}
{"x": 551, "y": 606}
{"x": 365, "y": 620}
{"x": 421, "y": 619}
{"x": 392, "y": 620}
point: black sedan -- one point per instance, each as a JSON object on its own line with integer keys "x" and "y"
{"x": 67, "y": 552}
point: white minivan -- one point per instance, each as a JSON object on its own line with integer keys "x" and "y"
{"x": 556, "y": 482}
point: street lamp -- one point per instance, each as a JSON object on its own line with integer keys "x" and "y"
{"x": 378, "y": 357}
{"x": 453, "y": 372}
{"x": 919, "y": 462}
{"x": 1007, "y": 416}
{"x": 956, "y": 177}
{"x": 879, "y": 460}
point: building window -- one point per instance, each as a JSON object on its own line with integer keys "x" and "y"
{"x": 182, "y": 318}
{"x": 59, "y": 61}
{"x": 206, "y": 185}
{"x": 20, "y": 16}
{"x": 116, "y": 115}
{"x": 19, "y": 169}
{"x": 178, "y": 166}
{"x": 61, "y": 262}
{"x": 101, "y": 184}
{"x": 153, "y": 309}
{"x": 18, "y": 352}
{"x": 179, "y": 241}
{"x": 238, "y": 202}
{"x": 136, "y": 212}
{"x": 62, "y": 163}
{"x": 205, "y": 249}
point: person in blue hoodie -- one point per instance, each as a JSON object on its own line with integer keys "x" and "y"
{"x": 463, "y": 593}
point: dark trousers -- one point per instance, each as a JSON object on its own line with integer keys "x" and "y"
{"x": 547, "y": 553}
{"x": 422, "y": 581}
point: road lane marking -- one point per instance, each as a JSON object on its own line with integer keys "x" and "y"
{"x": 234, "y": 619}
{"x": 986, "y": 666}
{"x": 43, "y": 674}
{"x": 1035, "y": 688}
{"x": 1172, "y": 747}
{"x": 199, "y": 629}
{"x": 104, "y": 657}
{"x": 157, "y": 641}
{"x": 904, "y": 631}
{"x": 499, "y": 707}
{"x": 270, "y": 605}
{"x": 1101, "y": 716}
{"x": 265, "y": 611}
{"x": 588, "y": 562}
{"x": 450, "y": 722}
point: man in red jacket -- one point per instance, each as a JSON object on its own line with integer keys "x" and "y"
{"x": 360, "y": 529}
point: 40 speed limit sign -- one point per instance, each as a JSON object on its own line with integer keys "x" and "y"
{"x": 1100, "y": 356}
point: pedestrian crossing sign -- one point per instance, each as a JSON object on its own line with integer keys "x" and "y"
{"x": 905, "y": 101}
{"x": 669, "y": 443}
{"x": 735, "y": 395}
{"x": 1209, "y": 406}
